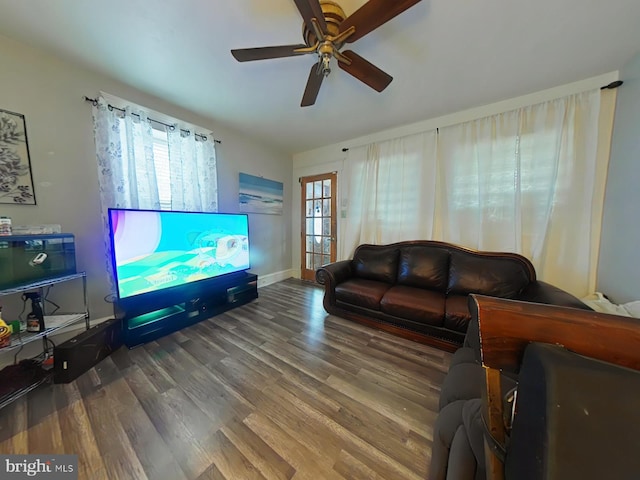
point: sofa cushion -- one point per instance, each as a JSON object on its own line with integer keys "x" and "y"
{"x": 457, "y": 315}
{"x": 463, "y": 382}
{"x": 424, "y": 267}
{"x": 444, "y": 431}
{"x": 503, "y": 277}
{"x": 472, "y": 337}
{"x": 424, "y": 306}
{"x": 361, "y": 292}
{"x": 463, "y": 355}
{"x": 375, "y": 262}
{"x": 474, "y": 430}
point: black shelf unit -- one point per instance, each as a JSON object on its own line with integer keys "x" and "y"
{"x": 53, "y": 323}
{"x": 147, "y": 320}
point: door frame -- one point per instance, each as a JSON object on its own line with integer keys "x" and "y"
{"x": 306, "y": 273}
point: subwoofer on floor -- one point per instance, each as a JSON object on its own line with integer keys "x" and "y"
{"x": 78, "y": 354}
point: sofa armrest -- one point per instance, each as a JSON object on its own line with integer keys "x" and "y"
{"x": 542, "y": 292}
{"x": 334, "y": 273}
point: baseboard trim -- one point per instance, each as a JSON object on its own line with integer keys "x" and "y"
{"x": 269, "y": 278}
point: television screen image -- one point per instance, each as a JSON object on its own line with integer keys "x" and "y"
{"x": 154, "y": 250}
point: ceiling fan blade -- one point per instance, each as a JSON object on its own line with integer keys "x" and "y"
{"x": 313, "y": 87}
{"x": 311, "y": 9}
{"x": 365, "y": 71}
{"x": 264, "y": 53}
{"x": 373, "y": 14}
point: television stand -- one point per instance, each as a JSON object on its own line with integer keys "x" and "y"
{"x": 147, "y": 321}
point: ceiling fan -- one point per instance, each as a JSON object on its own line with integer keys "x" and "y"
{"x": 325, "y": 30}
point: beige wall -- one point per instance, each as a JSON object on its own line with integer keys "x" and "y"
{"x": 619, "y": 268}
{"x": 49, "y": 92}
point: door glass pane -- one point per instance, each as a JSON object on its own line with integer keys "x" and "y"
{"x": 326, "y": 245}
{"x": 317, "y": 244}
{"x": 317, "y": 189}
{"x": 309, "y": 208}
{"x": 326, "y": 227}
{"x": 309, "y": 192}
{"x": 326, "y": 259}
{"x": 309, "y": 260}
{"x": 310, "y": 226}
{"x": 317, "y": 219}
{"x": 327, "y": 188}
{"x": 326, "y": 207}
{"x": 317, "y": 261}
{"x": 309, "y": 243}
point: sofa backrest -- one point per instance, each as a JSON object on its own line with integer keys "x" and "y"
{"x": 496, "y": 275}
{"x": 424, "y": 266}
{"x": 376, "y": 262}
{"x": 444, "y": 267}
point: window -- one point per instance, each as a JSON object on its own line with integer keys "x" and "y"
{"x": 161, "y": 167}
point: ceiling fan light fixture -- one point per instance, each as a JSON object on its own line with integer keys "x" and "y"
{"x": 325, "y": 64}
{"x": 325, "y": 30}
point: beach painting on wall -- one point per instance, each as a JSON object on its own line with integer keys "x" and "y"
{"x": 259, "y": 195}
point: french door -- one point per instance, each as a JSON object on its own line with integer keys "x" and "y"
{"x": 318, "y": 237}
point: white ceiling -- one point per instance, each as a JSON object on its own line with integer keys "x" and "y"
{"x": 445, "y": 56}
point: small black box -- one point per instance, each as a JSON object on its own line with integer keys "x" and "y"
{"x": 78, "y": 354}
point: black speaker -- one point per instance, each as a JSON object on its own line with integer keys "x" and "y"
{"x": 78, "y": 354}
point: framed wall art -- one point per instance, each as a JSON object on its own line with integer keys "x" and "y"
{"x": 16, "y": 181}
{"x": 259, "y": 195}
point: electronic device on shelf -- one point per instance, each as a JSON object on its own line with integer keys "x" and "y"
{"x": 172, "y": 269}
{"x": 78, "y": 354}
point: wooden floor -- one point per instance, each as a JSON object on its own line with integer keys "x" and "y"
{"x": 274, "y": 389}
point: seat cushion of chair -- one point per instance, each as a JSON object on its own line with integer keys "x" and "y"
{"x": 463, "y": 382}
{"x": 463, "y": 355}
{"x": 447, "y": 423}
{"x": 472, "y": 421}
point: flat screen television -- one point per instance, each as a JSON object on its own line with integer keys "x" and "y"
{"x": 157, "y": 252}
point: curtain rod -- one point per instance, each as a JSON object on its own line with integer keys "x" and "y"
{"x": 94, "y": 101}
{"x": 610, "y": 86}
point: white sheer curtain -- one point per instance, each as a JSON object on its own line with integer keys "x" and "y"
{"x": 524, "y": 181}
{"x": 389, "y": 194}
{"x": 192, "y": 165}
{"x": 528, "y": 181}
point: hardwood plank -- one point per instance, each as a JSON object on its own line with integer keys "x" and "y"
{"x": 14, "y": 427}
{"x": 77, "y": 436}
{"x": 350, "y": 467}
{"x": 182, "y": 434}
{"x": 229, "y": 460}
{"x": 379, "y": 439}
{"x": 302, "y": 459}
{"x": 264, "y": 458}
{"x": 116, "y": 450}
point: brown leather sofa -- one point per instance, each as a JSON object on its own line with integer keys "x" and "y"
{"x": 419, "y": 288}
